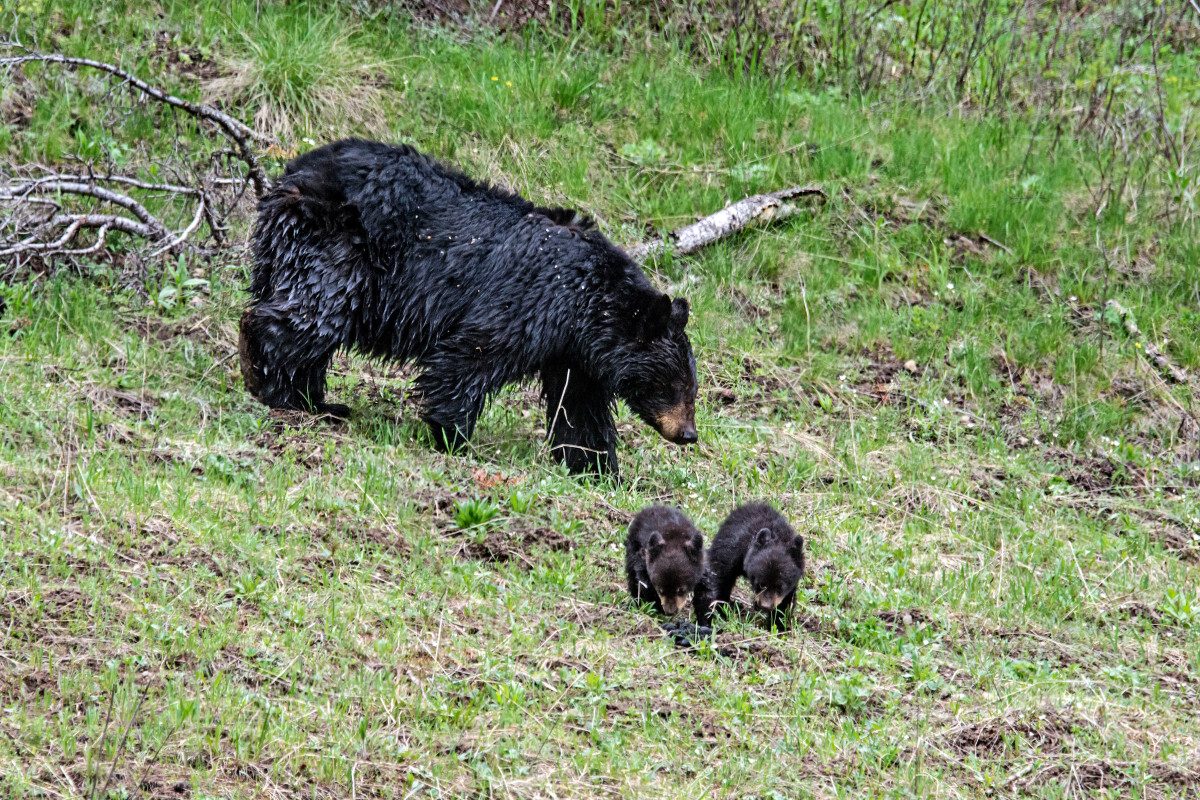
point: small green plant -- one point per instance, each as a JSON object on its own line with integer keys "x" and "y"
{"x": 644, "y": 152}
{"x": 475, "y": 513}
{"x": 1181, "y": 608}
{"x": 522, "y": 502}
{"x": 850, "y": 692}
{"x": 176, "y": 287}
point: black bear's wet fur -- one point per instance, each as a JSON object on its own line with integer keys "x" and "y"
{"x": 756, "y": 541}
{"x": 379, "y": 248}
{"x": 664, "y": 558}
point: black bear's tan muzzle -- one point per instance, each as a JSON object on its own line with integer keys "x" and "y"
{"x": 766, "y": 601}
{"x": 678, "y": 425}
{"x": 673, "y": 605}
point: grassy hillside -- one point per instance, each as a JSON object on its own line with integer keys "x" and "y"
{"x": 999, "y": 489}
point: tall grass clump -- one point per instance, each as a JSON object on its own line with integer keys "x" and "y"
{"x": 301, "y": 73}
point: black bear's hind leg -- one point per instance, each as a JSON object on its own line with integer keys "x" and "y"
{"x": 338, "y": 410}
{"x": 579, "y": 421}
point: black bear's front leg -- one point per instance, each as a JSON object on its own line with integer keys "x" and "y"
{"x": 284, "y": 362}
{"x": 714, "y": 589}
{"x": 579, "y": 421}
{"x": 455, "y": 383}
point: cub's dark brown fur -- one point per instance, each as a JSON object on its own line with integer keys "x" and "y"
{"x": 664, "y": 558}
{"x": 756, "y": 541}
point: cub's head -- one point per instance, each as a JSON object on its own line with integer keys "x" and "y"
{"x": 657, "y": 371}
{"x": 774, "y": 565}
{"x": 675, "y": 561}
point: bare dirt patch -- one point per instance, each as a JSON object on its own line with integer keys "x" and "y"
{"x": 1095, "y": 474}
{"x": 704, "y": 725}
{"x": 1046, "y": 730}
{"x": 384, "y": 540}
{"x": 900, "y": 621}
{"x": 519, "y": 546}
{"x": 1159, "y": 780}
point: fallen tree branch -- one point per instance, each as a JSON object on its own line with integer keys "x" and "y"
{"x": 237, "y": 132}
{"x": 757, "y": 209}
{"x": 1156, "y": 356}
{"x": 73, "y": 223}
{"x": 176, "y": 203}
{"x": 17, "y": 191}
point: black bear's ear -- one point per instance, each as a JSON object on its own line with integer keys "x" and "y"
{"x": 763, "y": 537}
{"x": 656, "y": 317}
{"x": 679, "y": 315}
{"x": 798, "y": 549}
{"x": 696, "y": 544}
{"x": 655, "y": 544}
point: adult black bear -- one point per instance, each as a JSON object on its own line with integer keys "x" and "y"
{"x": 378, "y": 248}
{"x": 664, "y": 558}
{"x": 756, "y": 541}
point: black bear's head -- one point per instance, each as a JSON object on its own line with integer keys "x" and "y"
{"x": 658, "y": 371}
{"x": 774, "y": 565}
{"x": 675, "y": 561}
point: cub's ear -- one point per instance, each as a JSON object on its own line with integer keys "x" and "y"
{"x": 655, "y": 544}
{"x": 679, "y": 315}
{"x": 696, "y": 543}
{"x": 798, "y": 550}
{"x": 656, "y": 317}
{"x": 763, "y": 538}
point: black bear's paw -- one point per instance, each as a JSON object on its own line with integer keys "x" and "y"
{"x": 338, "y": 410}
{"x": 687, "y": 634}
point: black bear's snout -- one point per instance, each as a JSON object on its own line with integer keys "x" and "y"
{"x": 686, "y": 436}
{"x": 677, "y": 424}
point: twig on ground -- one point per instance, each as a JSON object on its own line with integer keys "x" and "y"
{"x": 237, "y": 132}
{"x": 47, "y": 210}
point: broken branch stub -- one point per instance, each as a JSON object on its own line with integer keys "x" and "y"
{"x": 757, "y": 209}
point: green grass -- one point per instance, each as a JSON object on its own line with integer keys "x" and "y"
{"x": 203, "y": 599}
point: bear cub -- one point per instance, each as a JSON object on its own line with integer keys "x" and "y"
{"x": 756, "y": 541}
{"x": 664, "y": 558}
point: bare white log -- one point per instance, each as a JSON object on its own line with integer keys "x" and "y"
{"x": 758, "y": 209}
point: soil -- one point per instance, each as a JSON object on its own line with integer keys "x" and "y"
{"x": 899, "y": 621}
{"x": 1047, "y": 731}
{"x": 519, "y": 546}
{"x": 186, "y": 61}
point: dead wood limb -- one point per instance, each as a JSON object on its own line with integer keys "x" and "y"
{"x": 757, "y": 209}
{"x": 1156, "y": 356}
{"x": 178, "y": 204}
{"x": 236, "y": 131}
{"x": 71, "y": 224}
